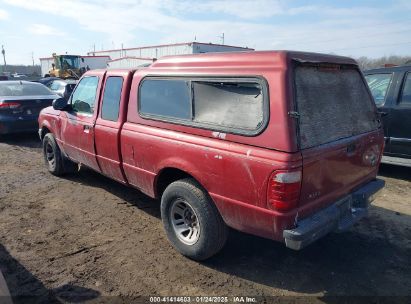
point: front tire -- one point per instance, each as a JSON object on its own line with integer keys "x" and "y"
{"x": 55, "y": 161}
{"x": 191, "y": 220}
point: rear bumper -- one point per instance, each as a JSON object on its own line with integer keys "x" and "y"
{"x": 16, "y": 125}
{"x": 338, "y": 217}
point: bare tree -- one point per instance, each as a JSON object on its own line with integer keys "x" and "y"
{"x": 366, "y": 63}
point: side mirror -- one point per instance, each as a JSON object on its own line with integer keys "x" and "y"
{"x": 68, "y": 90}
{"x": 61, "y": 104}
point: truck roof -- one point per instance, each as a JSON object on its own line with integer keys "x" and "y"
{"x": 264, "y": 58}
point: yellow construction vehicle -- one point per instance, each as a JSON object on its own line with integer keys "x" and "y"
{"x": 66, "y": 66}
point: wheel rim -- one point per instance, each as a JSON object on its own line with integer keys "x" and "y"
{"x": 185, "y": 222}
{"x": 50, "y": 157}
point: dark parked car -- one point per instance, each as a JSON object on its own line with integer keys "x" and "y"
{"x": 391, "y": 89}
{"x": 47, "y": 80}
{"x": 3, "y": 77}
{"x": 20, "y": 105}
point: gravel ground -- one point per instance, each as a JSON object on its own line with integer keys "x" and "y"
{"x": 87, "y": 236}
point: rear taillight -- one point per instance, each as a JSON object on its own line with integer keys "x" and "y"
{"x": 284, "y": 190}
{"x": 9, "y": 105}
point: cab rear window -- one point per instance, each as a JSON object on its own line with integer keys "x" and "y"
{"x": 111, "y": 98}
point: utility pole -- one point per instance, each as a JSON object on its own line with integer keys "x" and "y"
{"x": 222, "y": 38}
{"x": 4, "y": 57}
{"x": 93, "y": 49}
{"x": 32, "y": 57}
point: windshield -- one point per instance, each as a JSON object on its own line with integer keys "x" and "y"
{"x": 379, "y": 84}
{"x": 69, "y": 62}
{"x": 23, "y": 89}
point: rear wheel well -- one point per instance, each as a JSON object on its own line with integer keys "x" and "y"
{"x": 44, "y": 131}
{"x": 166, "y": 177}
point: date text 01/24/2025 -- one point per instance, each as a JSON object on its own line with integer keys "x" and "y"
{"x": 203, "y": 299}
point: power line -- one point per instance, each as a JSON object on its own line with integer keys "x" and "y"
{"x": 359, "y": 36}
{"x": 362, "y": 27}
{"x": 370, "y": 46}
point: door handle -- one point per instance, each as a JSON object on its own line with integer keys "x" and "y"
{"x": 382, "y": 113}
{"x": 87, "y": 128}
{"x": 351, "y": 148}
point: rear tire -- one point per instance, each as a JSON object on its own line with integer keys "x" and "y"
{"x": 191, "y": 220}
{"x": 55, "y": 161}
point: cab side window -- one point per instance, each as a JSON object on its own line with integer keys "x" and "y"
{"x": 84, "y": 97}
{"x": 111, "y": 98}
{"x": 406, "y": 91}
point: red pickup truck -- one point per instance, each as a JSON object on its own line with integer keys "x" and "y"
{"x": 283, "y": 145}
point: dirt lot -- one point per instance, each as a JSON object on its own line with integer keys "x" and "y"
{"x": 87, "y": 235}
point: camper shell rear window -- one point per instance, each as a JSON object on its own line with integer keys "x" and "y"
{"x": 332, "y": 102}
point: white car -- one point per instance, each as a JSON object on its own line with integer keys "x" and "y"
{"x": 58, "y": 86}
{"x": 17, "y": 75}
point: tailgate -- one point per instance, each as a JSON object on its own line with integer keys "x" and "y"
{"x": 334, "y": 170}
{"x": 339, "y": 132}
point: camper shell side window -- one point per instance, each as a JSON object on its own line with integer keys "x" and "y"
{"x": 232, "y": 105}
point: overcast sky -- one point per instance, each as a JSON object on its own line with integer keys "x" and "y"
{"x": 354, "y": 28}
